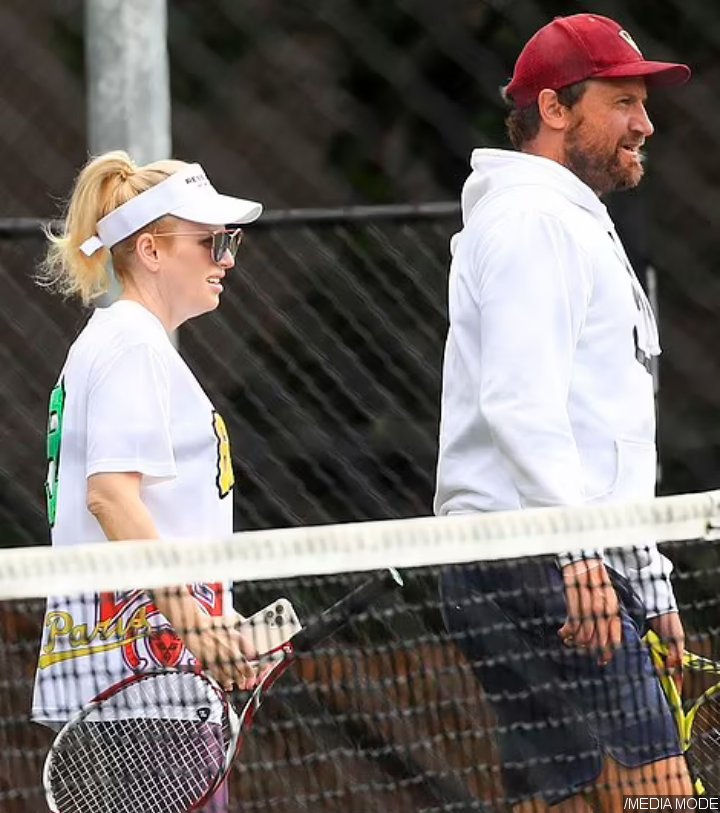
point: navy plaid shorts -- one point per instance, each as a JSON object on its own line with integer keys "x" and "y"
{"x": 558, "y": 711}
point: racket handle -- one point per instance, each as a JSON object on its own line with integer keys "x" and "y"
{"x": 344, "y": 610}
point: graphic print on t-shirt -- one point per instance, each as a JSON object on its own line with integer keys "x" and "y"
{"x": 225, "y": 475}
{"x": 128, "y": 621}
{"x": 54, "y": 440}
{"x": 162, "y": 646}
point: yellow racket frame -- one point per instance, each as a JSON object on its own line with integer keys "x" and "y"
{"x": 697, "y": 663}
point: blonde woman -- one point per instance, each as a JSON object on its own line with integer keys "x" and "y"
{"x": 136, "y": 449}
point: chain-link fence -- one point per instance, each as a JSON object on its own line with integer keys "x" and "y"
{"x": 330, "y": 102}
{"x": 326, "y": 353}
{"x": 324, "y": 358}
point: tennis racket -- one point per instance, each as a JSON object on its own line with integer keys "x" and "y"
{"x": 162, "y": 742}
{"x": 698, "y": 725}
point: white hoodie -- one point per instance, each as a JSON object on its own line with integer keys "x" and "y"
{"x": 547, "y": 395}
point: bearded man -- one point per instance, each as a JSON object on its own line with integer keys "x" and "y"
{"x": 547, "y": 401}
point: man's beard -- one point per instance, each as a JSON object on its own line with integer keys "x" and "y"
{"x": 593, "y": 162}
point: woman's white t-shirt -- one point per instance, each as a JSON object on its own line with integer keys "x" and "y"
{"x": 126, "y": 401}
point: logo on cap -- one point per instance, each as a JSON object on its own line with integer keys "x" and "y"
{"x": 200, "y": 180}
{"x": 629, "y": 40}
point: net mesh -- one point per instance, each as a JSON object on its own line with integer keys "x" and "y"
{"x": 404, "y": 708}
{"x": 705, "y": 746}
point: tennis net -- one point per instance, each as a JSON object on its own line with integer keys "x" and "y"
{"x": 447, "y": 694}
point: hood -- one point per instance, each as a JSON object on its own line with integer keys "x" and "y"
{"x": 495, "y": 171}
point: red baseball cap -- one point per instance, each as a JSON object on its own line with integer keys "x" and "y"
{"x": 584, "y": 46}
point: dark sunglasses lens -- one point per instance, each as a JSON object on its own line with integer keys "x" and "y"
{"x": 226, "y": 241}
{"x": 220, "y": 245}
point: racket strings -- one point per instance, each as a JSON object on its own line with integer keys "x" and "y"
{"x": 164, "y": 762}
{"x": 704, "y": 751}
{"x": 157, "y": 766}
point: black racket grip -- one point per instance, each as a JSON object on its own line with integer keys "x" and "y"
{"x": 345, "y": 609}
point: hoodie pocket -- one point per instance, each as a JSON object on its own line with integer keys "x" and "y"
{"x": 637, "y": 470}
{"x": 601, "y": 470}
{"x": 623, "y": 470}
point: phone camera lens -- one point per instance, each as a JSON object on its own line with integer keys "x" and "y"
{"x": 279, "y": 609}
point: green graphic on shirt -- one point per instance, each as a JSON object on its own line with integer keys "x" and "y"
{"x": 54, "y": 438}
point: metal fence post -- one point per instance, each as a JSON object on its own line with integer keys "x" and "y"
{"x": 128, "y": 85}
{"x": 128, "y": 78}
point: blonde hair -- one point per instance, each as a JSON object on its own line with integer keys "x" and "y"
{"x": 103, "y": 184}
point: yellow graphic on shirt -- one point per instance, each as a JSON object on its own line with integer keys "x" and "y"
{"x": 225, "y": 477}
{"x": 62, "y": 630}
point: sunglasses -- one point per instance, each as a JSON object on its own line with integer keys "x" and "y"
{"x": 223, "y": 240}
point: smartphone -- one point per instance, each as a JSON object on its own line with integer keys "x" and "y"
{"x": 270, "y": 627}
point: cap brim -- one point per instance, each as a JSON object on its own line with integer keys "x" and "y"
{"x": 656, "y": 74}
{"x": 219, "y": 210}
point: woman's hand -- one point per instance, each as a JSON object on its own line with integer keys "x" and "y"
{"x": 223, "y": 651}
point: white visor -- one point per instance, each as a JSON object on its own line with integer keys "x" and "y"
{"x": 187, "y": 194}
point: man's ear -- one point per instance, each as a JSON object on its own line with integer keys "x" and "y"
{"x": 552, "y": 112}
{"x": 146, "y": 251}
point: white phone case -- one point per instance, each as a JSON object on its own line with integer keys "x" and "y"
{"x": 272, "y": 626}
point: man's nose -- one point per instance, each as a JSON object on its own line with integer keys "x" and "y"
{"x": 642, "y": 122}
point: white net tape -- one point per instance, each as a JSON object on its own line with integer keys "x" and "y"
{"x": 362, "y": 546}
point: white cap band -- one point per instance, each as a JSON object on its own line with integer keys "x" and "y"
{"x": 187, "y": 194}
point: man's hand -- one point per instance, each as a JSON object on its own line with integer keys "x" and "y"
{"x": 669, "y": 629}
{"x": 593, "y": 620}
